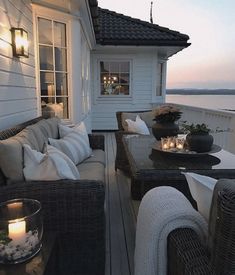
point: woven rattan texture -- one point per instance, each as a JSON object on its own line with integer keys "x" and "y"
{"x": 70, "y": 208}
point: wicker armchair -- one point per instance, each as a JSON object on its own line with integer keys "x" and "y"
{"x": 187, "y": 255}
{"x": 121, "y": 158}
{"x": 73, "y": 209}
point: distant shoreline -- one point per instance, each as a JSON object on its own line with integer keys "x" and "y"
{"x": 200, "y": 91}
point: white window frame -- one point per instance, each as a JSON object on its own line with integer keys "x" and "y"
{"x": 157, "y": 78}
{"x": 52, "y": 15}
{"x": 160, "y": 83}
{"x": 129, "y": 96}
{"x": 85, "y": 75}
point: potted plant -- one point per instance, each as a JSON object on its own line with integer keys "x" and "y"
{"x": 165, "y": 117}
{"x": 198, "y": 137}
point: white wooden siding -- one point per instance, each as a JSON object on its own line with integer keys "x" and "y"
{"x": 142, "y": 87}
{"x": 18, "y": 101}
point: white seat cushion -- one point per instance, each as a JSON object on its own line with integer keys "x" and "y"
{"x": 53, "y": 165}
{"x": 138, "y": 126}
{"x": 201, "y": 188}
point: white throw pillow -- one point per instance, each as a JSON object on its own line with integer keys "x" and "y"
{"x": 53, "y": 165}
{"x": 64, "y": 130}
{"x": 74, "y": 142}
{"x": 201, "y": 188}
{"x": 138, "y": 126}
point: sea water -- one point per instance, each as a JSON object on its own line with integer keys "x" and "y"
{"x": 219, "y": 102}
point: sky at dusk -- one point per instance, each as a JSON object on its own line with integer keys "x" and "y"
{"x": 209, "y": 62}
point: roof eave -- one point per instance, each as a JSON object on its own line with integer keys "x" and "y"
{"x": 113, "y": 42}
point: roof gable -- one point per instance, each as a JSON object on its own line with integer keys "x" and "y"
{"x": 118, "y": 29}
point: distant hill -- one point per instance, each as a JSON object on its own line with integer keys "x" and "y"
{"x": 200, "y": 91}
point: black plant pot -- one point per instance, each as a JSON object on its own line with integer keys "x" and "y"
{"x": 199, "y": 143}
{"x": 166, "y": 129}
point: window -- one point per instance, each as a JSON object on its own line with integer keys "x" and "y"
{"x": 115, "y": 78}
{"x": 160, "y": 70}
{"x": 52, "y": 48}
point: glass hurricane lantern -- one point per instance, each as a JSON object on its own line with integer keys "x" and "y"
{"x": 21, "y": 230}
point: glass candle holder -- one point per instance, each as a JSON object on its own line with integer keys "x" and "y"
{"x": 165, "y": 143}
{"x": 180, "y": 143}
{"x": 171, "y": 141}
{"x": 21, "y": 230}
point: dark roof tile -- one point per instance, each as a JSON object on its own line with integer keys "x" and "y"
{"x": 119, "y": 29}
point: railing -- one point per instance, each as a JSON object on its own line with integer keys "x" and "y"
{"x": 223, "y": 120}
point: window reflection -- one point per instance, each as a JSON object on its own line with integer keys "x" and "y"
{"x": 45, "y": 31}
{"x": 46, "y": 58}
{"x": 53, "y": 68}
{"x": 114, "y": 77}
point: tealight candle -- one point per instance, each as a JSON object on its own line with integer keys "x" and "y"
{"x": 180, "y": 146}
{"x": 165, "y": 146}
{"x": 17, "y": 230}
{"x": 165, "y": 143}
{"x": 180, "y": 143}
{"x": 171, "y": 142}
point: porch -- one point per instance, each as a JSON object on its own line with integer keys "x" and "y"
{"x": 121, "y": 210}
{"x": 121, "y": 214}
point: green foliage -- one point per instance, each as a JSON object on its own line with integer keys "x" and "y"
{"x": 196, "y": 129}
{"x": 170, "y": 117}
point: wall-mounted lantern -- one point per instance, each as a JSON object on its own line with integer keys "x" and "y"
{"x": 20, "y": 44}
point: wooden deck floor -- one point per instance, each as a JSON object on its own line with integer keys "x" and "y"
{"x": 120, "y": 216}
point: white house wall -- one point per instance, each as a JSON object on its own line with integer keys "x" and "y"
{"x": 18, "y": 101}
{"x": 143, "y": 86}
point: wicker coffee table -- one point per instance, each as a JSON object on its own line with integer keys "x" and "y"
{"x": 150, "y": 168}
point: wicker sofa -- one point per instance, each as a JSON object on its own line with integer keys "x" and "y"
{"x": 121, "y": 159}
{"x": 70, "y": 208}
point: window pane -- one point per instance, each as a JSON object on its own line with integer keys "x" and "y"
{"x": 102, "y": 89}
{"x": 114, "y": 67}
{"x": 59, "y": 34}
{"x": 45, "y": 31}
{"x": 124, "y": 78}
{"x": 125, "y": 67}
{"x": 47, "y": 84}
{"x": 124, "y": 89}
{"x": 116, "y": 80}
{"x": 47, "y": 100}
{"x": 104, "y": 66}
{"x": 62, "y": 107}
{"x": 60, "y": 59}
{"x": 46, "y": 58}
{"x": 104, "y": 77}
{"x": 61, "y": 84}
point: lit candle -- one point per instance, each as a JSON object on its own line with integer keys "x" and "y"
{"x": 180, "y": 143}
{"x": 15, "y": 205}
{"x": 17, "y": 231}
{"x": 172, "y": 144}
{"x": 165, "y": 143}
{"x": 180, "y": 146}
{"x": 165, "y": 146}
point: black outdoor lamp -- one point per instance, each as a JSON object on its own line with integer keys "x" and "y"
{"x": 20, "y": 44}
